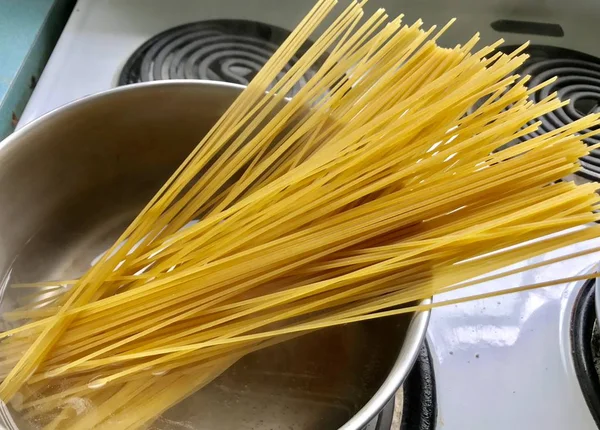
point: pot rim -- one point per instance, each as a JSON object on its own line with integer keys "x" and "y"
{"x": 74, "y": 104}
{"x": 415, "y": 333}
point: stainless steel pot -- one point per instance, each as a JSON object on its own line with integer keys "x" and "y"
{"x": 72, "y": 180}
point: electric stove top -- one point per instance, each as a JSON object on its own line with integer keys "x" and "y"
{"x": 505, "y": 362}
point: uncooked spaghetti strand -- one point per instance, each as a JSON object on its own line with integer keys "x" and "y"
{"x": 310, "y": 21}
{"x": 244, "y": 183}
{"x": 290, "y": 78}
{"x": 14, "y": 380}
{"x": 287, "y": 298}
{"x": 327, "y": 322}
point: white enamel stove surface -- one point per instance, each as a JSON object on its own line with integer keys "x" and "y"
{"x": 102, "y": 34}
{"x": 505, "y": 362}
{"x": 502, "y": 363}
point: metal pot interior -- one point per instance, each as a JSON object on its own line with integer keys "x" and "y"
{"x": 70, "y": 183}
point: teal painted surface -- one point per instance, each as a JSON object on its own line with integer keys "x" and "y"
{"x": 20, "y": 22}
{"x": 29, "y": 30}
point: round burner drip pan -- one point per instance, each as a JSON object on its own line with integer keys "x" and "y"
{"x": 218, "y": 50}
{"x": 578, "y": 80}
{"x": 585, "y": 342}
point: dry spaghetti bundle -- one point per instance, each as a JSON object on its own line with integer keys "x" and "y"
{"x": 376, "y": 186}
